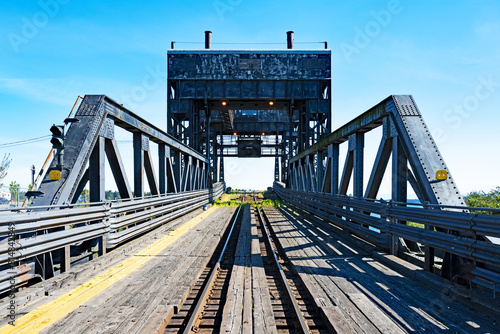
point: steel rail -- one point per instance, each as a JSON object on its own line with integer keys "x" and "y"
{"x": 477, "y": 223}
{"x": 203, "y": 298}
{"x": 57, "y": 240}
{"x": 300, "y": 317}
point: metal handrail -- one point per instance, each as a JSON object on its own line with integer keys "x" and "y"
{"x": 127, "y": 222}
{"x": 355, "y": 219}
{"x": 360, "y": 216}
{"x": 39, "y": 230}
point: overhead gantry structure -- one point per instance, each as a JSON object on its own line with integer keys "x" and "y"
{"x": 249, "y": 103}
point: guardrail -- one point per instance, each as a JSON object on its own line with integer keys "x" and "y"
{"x": 28, "y": 232}
{"x": 461, "y": 231}
{"x": 131, "y": 218}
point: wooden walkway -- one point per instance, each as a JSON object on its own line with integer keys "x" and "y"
{"x": 139, "y": 286}
{"x": 134, "y": 295}
{"x": 360, "y": 294}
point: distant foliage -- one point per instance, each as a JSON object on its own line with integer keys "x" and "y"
{"x": 271, "y": 202}
{"x": 230, "y": 202}
{"x": 14, "y": 188}
{"x": 484, "y": 200}
{"x": 112, "y": 195}
{"x": 4, "y": 165}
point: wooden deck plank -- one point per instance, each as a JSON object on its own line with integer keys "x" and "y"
{"x": 263, "y": 316}
{"x": 141, "y": 296}
{"x": 183, "y": 277}
{"x": 409, "y": 302}
{"x": 372, "y": 312}
{"x": 34, "y": 296}
{"x": 239, "y": 288}
{"x": 343, "y": 316}
{"x": 376, "y": 310}
{"x": 404, "y": 314}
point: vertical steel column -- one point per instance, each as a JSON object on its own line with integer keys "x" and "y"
{"x": 97, "y": 192}
{"x": 101, "y": 244}
{"x": 319, "y": 170}
{"x": 307, "y": 175}
{"x": 138, "y": 165}
{"x": 289, "y": 153}
{"x": 162, "y": 168}
{"x": 221, "y": 166}
{"x": 302, "y": 130}
{"x": 429, "y": 254}
{"x": 399, "y": 183}
{"x": 308, "y": 133}
{"x": 358, "y": 165}
{"x": 276, "y": 161}
{"x": 214, "y": 164}
{"x": 283, "y": 158}
{"x": 96, "y": 172}
{"x": 335, "y": 152}
{"x": 399, "y": 172}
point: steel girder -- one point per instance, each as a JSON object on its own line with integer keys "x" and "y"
{"x": 87, "y": 144}
{"x": 405, "y": 136}
{"x": 90, "y": 140}
{"x": 415, "y": 160}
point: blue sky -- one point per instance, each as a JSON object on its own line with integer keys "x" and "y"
{"x": 446, "y": 54}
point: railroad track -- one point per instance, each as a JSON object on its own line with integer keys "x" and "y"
{"x": 292, "y": 306}
{"x": 294, "y": 310}
{"x": 203, "y": 306}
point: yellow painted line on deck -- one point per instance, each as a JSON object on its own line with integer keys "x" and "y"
{"x": 47, "y": 314}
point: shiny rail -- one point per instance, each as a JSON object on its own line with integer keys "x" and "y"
{"x": 203, "y": 298}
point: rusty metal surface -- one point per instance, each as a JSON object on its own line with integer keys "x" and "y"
{"x": 249, "y": 65}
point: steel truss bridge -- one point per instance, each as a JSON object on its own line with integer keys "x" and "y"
{"x": 272, "y": 103}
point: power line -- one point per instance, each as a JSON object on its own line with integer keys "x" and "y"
{"x": 24, "y": 142}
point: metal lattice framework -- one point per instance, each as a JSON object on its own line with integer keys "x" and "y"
{"x": 264, "y": 103}
{"x": 264, "y": 95}
{"x": 404, "y": 135}
{"x": 318, "y": 185}
{"x": 91, "y": 139}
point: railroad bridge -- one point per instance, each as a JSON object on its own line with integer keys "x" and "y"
{"x": 320, "y": 253}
